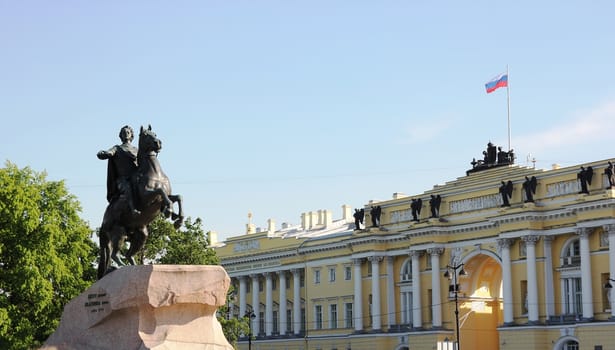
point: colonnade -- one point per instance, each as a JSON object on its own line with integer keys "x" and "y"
{"x": 268, "y": 312}
{"x": 390, "y": 298}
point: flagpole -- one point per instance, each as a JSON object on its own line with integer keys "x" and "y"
{"x": 508, "y": 104}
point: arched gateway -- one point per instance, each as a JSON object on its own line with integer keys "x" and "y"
{"x": 480, "y": 301}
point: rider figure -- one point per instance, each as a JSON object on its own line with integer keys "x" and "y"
{"x": 122, "y": 165}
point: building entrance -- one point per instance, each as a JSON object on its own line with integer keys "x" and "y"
{"x": 480, "y": 303}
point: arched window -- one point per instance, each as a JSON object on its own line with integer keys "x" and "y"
{"x": 571, "y": 345}
{"x": 405, "y": 294}
{"x": 571, "y": 254}
{"x": 570, "y": 281}
{"x": 406, "y": 271}
{"x": 566, "y": 343}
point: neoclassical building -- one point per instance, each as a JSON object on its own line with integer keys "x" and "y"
{"x": 504, "y": 257}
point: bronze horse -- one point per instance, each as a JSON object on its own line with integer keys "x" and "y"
{"x": 152, "y": 195}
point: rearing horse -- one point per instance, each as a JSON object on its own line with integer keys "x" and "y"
{"x": 152, "y": 195}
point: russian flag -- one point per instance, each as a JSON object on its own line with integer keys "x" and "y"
{"x": 497, "y": 82}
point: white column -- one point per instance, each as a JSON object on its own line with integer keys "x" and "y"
{"x": 417, "y": 321}
{"x": 586, "y": 270}
{"x": 611, "y": 232}
{"x": 376, "y": 312}
{"x": 282, "y": 315}
{"x": 358, "y": 296}
{"x": 255, "y": 305}
{"x": 549, "y": 290}
{"x": 296, "y": 300}
{"x": 242, "y": 296}
{"x": 390, "y": 292}
{"x": 268, "y": 303}
{"x": 504, "y": 245}
{"x": 532, "y": 281}
{"x": 436, "y": 303}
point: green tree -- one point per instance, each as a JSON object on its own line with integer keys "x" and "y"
{"x": 46, "y": 255}
{"x": 190, "y": 246}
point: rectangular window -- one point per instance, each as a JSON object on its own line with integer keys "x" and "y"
{"x": 316, "y": 276}
{"x": 303, "y": 319}
{"x": 332, "y": 274}
{"x": 430, "y": 303}
{"x": 248, "y": 287}
{"x": 318, "y": 316}
{"x": 371, "y": 318}
{"x": 369, "y": 269}
{"x": 261, "y": 322}
{"x": 302, "y": 279}
{"x": 524, "y": 296}
{"x": 348, "y": 321}
{"x": 572, "y": 296}
{"x": 347, "y": 273}
{"x": 274, "y": 284}
{"x": 260, "y": 285}
{"x": 289, "y": 320}
{"x": 333, "y": 316}
{"x": 276, "y": 329}
{"x": 406, "y": 308}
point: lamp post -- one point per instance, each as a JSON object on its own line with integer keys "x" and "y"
{"x": 251, "y": 316}
{"x": 451, "y": 273}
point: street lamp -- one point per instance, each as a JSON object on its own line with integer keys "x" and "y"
{"x": 251, "y": 316}
{"x": 451, "y": 273}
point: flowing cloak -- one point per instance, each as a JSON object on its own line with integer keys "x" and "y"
{"x": 126, "y": 158}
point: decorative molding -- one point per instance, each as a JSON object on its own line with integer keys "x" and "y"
{"x": 583, "y": 232}
{"x": 375, "y": 258}
{"x": 562, "y": 188}
{"x": 417, "y": 253}
{"x": 505, "y": 243}
{"x": 610, "y": 228}
{"x": 398, "y": 216}
{"x": 530, "y": 239}
{"x": 435, "y": 251}
{"x": 476, "y": 203}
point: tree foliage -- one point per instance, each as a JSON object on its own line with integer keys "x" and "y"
{"x": 187, "y": 246}
{"x": 190, "y": 246}
{"x": 46, "y": 255}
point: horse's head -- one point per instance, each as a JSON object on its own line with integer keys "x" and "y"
{"x": 148, "y": 142}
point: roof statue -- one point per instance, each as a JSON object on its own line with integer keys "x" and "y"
{"x": 492, "y": 157}
{"x": 585, "y": 178}
{"x": 506, "y": 192}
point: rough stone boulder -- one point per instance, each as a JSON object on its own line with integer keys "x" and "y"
{"x": 147, "y": 307}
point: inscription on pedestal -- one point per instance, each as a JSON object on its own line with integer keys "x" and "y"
{"x": 97, "y": 306}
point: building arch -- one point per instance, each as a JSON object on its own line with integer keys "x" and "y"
{"x": 474, "y": 253}
{"x": 402, "y": 347}
{"x": 479, "y": 300}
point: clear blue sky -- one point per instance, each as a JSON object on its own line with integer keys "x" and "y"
{"x": 282, "y": 107}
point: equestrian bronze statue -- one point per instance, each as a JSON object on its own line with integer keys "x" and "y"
{"x": 137, "y": 191}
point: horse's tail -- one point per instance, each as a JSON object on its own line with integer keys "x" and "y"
{"x": 103, "y": 259}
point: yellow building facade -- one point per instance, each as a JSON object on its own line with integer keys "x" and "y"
{"x": 511, "y": 258}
